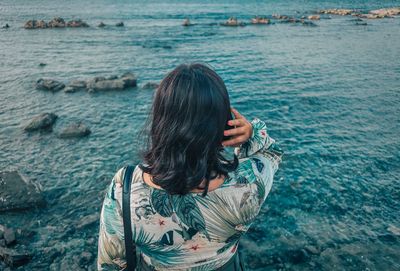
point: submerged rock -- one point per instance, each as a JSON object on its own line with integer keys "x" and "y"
{"x": 13, "y": 258}
{"x": 41, "y": 121}
{"x": 33, "y": 24}
{"x": 150, "y": 85}
{"x": 57, "y": 22}
{"x": 49, "y": 84}
{"x": 88, "y": 221}
{"x": 75, "y": 130}
{"x": 77, "y": 23}
{"x": 120, "y": 24}
{"x": 76, "y": 85}
{"x": 17, "y": 193}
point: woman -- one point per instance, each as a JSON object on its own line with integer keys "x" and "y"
{"x": 190, "y": 204}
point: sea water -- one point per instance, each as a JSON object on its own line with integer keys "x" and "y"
{"x": 329, "y": 94}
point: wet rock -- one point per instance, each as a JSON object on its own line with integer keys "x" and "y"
{"x": 314, "y": 17}
{"x": 75, "y": 130}
{"x": 6, "y": 26}
{"x": 127, "y": 80}
{"x": 386, "y": 12}
{"x": 260, "y": 20}
{"x": 280, "y": 17}
{"x": 120, "y": 24}
{"x": 33, "y": 24}
{"x": 17, "y": 193}
{"x": 371, "y": 16}
{"x": 150, "y": 85}
{"x": 88, "y": 221}
{"x": 232, "y": 21}
{"x": 77, "y": 23}
{"x": 336, "y": 11}
{"x": 101, "y": 24}
{"x": 75, "y": 85}
{"x": 9, "y": 236}
{"x": 57, "y": 22}
{"x": 49, "y": 84}
{"x": 186, "y": 22}
{"x": 13, "y": 258}
{"x": 41, "y": 121}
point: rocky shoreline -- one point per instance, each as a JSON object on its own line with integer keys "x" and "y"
{"x": 58, "y": 22}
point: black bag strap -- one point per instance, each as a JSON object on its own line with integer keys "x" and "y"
{"x": 130, "y": 247}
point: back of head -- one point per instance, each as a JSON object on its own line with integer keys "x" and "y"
{"x": 190, "y": 110}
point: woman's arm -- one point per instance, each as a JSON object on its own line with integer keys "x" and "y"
{"x": 251, "y": 138}
{"x": 111, "y": 247}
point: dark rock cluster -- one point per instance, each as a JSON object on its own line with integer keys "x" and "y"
{"x": 56, "y": 22}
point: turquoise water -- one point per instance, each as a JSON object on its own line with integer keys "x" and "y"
{"x": 329, "y": 94}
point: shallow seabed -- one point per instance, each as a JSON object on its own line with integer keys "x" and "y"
{"x": 329, "y": 94}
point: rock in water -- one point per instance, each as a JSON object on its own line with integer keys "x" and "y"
{"x": 14, "y": 258}
{"x": 75, "y": 130}
{"x": 57, "y": 22}
{"x": 112, "y": 83}
{"x": 41, "y": 121}
{"x": 9, "y": 235}
{"x": 33, "y": 24}
{"x": 129, "y": 80}
{"x": 388, "y": 12}
{"x": 17, "y": 193}
{"x": 150, "y": 85}
{"x": 49, "y": 84}
{"x": 77, "y": 23}
{"x": 314, "y": 17}
{"x": 75, "y": 86}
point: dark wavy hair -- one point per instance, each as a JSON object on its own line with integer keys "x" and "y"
{"x": 189, "y": 114}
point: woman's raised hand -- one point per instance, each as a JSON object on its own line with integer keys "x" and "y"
{"x": 241, "y": 133}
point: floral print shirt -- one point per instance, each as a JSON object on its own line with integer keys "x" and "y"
{"x": 190, "y": 232}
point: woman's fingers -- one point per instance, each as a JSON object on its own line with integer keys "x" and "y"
{"x": 235, "y": 122}
{"x": 236, "y": 113}
{"x": 236, "y": 140}
{"x": 236, "y": 131}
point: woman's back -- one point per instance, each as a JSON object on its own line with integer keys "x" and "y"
{"x": 190, "y": 232}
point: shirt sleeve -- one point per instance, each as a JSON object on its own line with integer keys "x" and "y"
{"x": 260, "y": 143}
{"x": 259, "y": 159}
{"x": 111, "y": 247}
